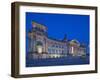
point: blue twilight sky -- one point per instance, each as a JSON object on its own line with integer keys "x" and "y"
{"x": 74, "y": 26}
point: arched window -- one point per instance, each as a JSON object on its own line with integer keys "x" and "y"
{"x": 39, "y": 46}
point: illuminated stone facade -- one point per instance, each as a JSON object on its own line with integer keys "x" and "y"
{"x": 40, "y": 45}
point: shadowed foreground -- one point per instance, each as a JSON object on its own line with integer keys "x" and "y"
{"x": 69, "y": 60}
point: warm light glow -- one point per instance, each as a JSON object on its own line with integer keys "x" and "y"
{"x": 39, "y": 49}
{"x": 72, "y": 50}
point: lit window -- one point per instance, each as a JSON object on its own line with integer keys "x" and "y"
{"x": 39, "y": 49}
{"x": 72, "y": 49}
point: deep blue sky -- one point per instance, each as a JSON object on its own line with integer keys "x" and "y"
{"x": 75, "y": 26}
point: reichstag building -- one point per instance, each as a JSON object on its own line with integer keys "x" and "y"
{"x": 40, "y": 45}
